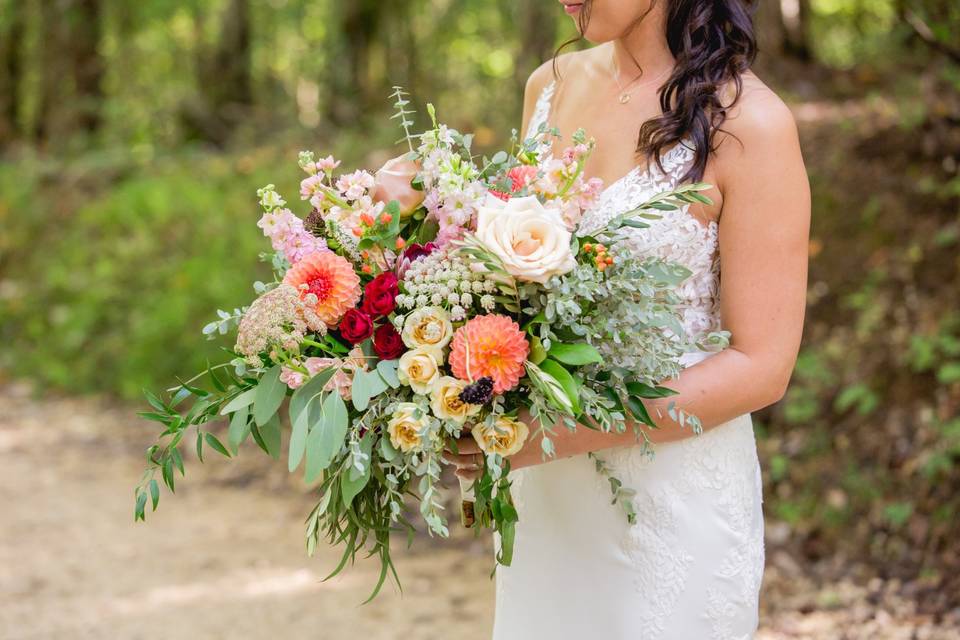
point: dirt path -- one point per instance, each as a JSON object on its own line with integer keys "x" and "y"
{"x": 224, "y": 558}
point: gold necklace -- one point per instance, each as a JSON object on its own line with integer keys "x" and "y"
{"x": 626, "y": 95}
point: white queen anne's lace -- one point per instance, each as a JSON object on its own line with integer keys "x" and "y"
{"x": 691, "y": 567}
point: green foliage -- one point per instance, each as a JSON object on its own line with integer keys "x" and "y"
{"x": 107, "y": 290}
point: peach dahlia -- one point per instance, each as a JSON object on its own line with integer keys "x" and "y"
{"x": 331, "y": 279}
{"x": 490, "y": 346}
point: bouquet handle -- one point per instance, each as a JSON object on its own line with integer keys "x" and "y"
{"x": 468, "y": 516}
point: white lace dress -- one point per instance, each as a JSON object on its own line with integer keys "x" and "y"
{"x": 691, "y": 567}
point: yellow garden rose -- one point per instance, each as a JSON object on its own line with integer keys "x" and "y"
{"x": 446, "y": 403}
{"x": 406, "y": 428}
{"x": 420, "y": 368}
{"x": 427, "y": 327}
{"x": 506, "y": 437}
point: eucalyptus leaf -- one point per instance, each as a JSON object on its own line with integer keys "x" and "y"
{"x": 326, "y": 436}
{"x": 310, "y": 390}
{"x": 388, "y": 370}
{"x": 270, "y": 435}
{"x": 642, "y": 390}
{"x": 351, "y": 484}
{"x": 239, "y": 428}
{"x": 215, "y": 443}
{"x": 387, "y": 451}
{"x": 366, "y": 385}
{"x": 154, "y": 493}
{"x": 269, "y": 396}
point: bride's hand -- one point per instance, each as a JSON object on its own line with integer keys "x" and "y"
{"x": 468, "y": 459}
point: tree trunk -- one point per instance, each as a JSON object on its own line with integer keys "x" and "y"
{"x": 11, "y": 72}
{"x": 232, "y": 59}
{"x": 51, "y": 98}
{"x": 401, "y": 51}
{"x": 71, "y": 69}
{"x": 798, "y": 30}
{"x": 348, "y": 68}
{"x": 85, "y": 33}
{"x": 770, "y": 29}
{"x": 225, "y": 75}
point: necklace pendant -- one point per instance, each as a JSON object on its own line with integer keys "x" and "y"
{"x": 624, "y": 98}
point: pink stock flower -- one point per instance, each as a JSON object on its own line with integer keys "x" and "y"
{"x": 287, "y": 234}
{"x": 293, "y": 379}
{"x": 356, "y": 184}
{"x": 327, "y": 164}
{"x": 310, "y": 186}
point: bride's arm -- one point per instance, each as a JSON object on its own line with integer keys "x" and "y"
{"x": 764, "y": 229}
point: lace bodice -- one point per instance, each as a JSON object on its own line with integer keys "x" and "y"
{"x": 676, "y": 236}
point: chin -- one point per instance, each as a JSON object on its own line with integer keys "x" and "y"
{"x": 610, "y": 19}
{"x": 598, "y": 34}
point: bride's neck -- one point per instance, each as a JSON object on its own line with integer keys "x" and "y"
{"x": 643, "y": 50}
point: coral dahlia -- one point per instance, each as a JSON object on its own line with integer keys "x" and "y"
{"x": 490, "y": 346}
{"x": 331, "y": 279}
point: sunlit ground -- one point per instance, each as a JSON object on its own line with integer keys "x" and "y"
{"x": 224, "y": 558}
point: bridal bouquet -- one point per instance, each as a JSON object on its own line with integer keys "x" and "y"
{"x": 440, "y": 294}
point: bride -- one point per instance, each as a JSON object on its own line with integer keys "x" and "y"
{"x": 669, "y": 80}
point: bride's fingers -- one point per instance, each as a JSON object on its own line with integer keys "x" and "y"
{"x": 462, "y": 460}
{"x": 467, "y": 474}
{"x": 465, "y": 446}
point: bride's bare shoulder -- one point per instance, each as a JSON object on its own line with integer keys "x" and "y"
{"x": 542, "y": 76}
{"x": 759, "y": 115}
{"x": 565, "y": 64}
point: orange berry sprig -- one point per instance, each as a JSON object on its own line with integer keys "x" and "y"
{"x": 601, "y": 259}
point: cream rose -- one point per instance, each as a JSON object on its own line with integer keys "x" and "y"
{"x": 532, "y": 241}
{"x": 406, "y": 427}
{"x": 420, "y": 368}
{"x": 427, "y": 327}
{"x": 446, "y": 403}
{"x": 506, "y": 437}
{"x": 393, "y": 183}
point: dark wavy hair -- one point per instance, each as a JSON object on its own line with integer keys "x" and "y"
{"x": 714, "y": 44}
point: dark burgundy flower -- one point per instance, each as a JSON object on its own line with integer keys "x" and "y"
{"x": 387, "y": 343}
{"x": 416, "y": 251}
{"x": 479, "y": 392}
{"x": 380, "y": 295}
{"x": 356, "y": 326}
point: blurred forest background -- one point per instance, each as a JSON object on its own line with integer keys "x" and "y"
{"x": 133, "y": 136}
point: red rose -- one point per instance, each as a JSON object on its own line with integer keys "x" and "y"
{"x": 387, "y": 343}
{"x": 380, "y": 295}
{"x": 356, "y": 326}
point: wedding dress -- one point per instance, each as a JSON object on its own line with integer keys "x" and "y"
{"x": 691, "y": 567}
